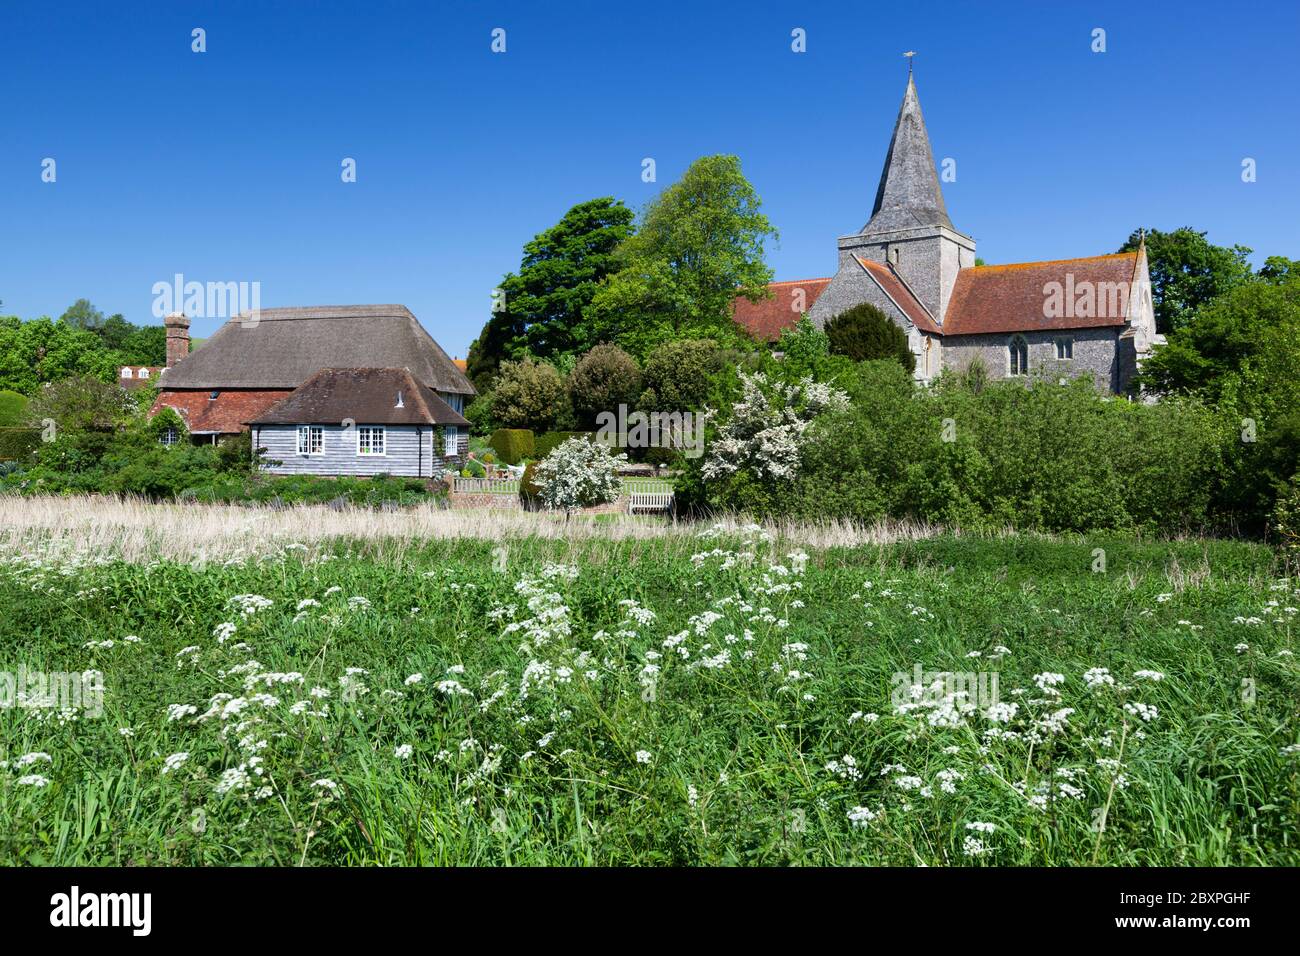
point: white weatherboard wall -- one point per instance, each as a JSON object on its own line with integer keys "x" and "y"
{"x": 339, "y": 452}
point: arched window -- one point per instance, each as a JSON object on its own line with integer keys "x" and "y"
{"x": 1018, "y": 356}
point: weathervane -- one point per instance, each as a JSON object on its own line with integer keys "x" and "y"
{"x": 909, "y": 54}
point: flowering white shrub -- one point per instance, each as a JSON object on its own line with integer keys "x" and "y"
{"x": 768, "y": 427}
{"x": 578, "y": 474}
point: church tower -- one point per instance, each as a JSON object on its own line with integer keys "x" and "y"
{"x": 908, "y": 232}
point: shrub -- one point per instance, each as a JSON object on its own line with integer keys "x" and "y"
{"x": 549, "y": 441}
{"x": 578, "y": 474}
{"x": 864, "y": 333}
{"x": 513, "y": 445}
{"x": 603, "y": 379}
{"x": 528, "y": 487}
{"x": 13, "y": 409}
{"x": 679, "y": 375}
{"x": 17, "y": 444}
{"x": 528, "y": 394}
{"x": 479, "y": 415}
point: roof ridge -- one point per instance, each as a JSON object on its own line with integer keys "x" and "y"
{"x": 1051, "y": 262}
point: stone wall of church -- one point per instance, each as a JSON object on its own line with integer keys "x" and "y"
{"x": 1096, "y": 353}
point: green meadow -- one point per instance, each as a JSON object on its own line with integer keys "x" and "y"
{"x": 712, "y": 699}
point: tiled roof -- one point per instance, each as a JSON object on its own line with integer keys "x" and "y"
{"x": 1015, "y": 298}
{"x": 900, "y": 293}
{"x": 133, "y": 381}
{"x": 225, "y": 414}
{"x": 365, "y": 396}
{"x": 766, "y": 319}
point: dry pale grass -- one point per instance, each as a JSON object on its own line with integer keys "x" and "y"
{"x": 136, "y": 530}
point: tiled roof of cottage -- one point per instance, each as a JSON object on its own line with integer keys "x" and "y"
{"x": 900, "y": 294}
{"x": 225, "y": 414}
{"x": 285, "y": 347}
{"x": 1013, "y": 298}
{"x": 767, "y": 318}
{"x": 908, "y": 195}
{"x": 365, "y": 396}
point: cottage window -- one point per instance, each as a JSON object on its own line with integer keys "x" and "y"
{"x": 126, "y": 373}
{"x": 143, "y": 373}
{"x": 370, "y": 440}
{"x": 311, "y": 438}
{"x": 169, "y": 437}
{"x": 451, "y": 439}
{"x": 1018, "y": 356}
{"x": 1064, "y": 349}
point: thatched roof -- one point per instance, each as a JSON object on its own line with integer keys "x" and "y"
{"x": 365, "y": 396}
{"x": 285, "y": 347}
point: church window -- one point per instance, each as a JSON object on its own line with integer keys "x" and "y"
{"x": 1064, "y": 349}
{"x": 1018, "y": 356}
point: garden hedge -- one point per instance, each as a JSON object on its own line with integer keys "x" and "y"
{"x": 512, "y": 445}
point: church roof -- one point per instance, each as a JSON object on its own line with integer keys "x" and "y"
{"x": 909, "y": 193}
{"x": 1016, "y": 297}
{"x": 900, "y": 293}
{"x": 767, "y": 318}
{"x": 285, "y": 347}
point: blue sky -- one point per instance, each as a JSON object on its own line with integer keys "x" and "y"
{"x": 225, "y": 166}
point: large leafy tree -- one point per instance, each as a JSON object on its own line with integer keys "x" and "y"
{"x": 864, "y": 333}
{"x": 1188, "y": 271}
{"x": 42, "y": 350}
{"x": 546, "y": 300}
{"x": 83, "y": 315}
{"x": 699, "y": 244}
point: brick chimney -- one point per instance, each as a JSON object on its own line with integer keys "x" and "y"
{"x": 178, "y": 337}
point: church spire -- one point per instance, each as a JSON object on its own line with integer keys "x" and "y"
{"x": 909, "y": 194}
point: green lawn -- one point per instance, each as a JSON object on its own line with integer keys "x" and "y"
{"x": 601, "y": 703}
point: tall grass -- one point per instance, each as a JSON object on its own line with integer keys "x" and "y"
{"x": 742, "y": 708}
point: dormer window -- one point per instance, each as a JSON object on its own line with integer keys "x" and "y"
{"x": 400, "y": 403}
{"x": 212, "y": 395}
{"x": 126, "y": 373}
{"x": 143, "y": 373}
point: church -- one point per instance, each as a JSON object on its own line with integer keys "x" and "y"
{"x": 1060, "y": 319}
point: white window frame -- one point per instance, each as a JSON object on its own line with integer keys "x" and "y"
{"x": 1014, "y": 350}
{"x": 315, "y": 443}
{"x": 371, "y": 432}
{"x": 450, "y": 441}
{"x": 169, "y": 437}
{"x": 1065, "y": 344}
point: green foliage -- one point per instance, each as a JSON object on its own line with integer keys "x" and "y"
{"x": 528, "y": 394}
{"x": 547, "y": 442}
{"x": 288, "y": 490}
{"x": 546, "y": 300}
{"x": 1044, "y": 457}
{"x": 13, "y": 408}
{"x": 40, "y": 351}
{"x": 803, "y": 344}
{"x": 1285, "y": 521}
{"x": 603, "y": 379}
{"x": 479, "y": 415}
{"x": 864, "y": 333}
{"x": 1187, "y": 271}
{"x": 512, "y": 445}
{"x": 699, "y": 244}
{"x": 80, "y": 404}
{"x": 18, "y": 444}
{"x": 681, "y": 374}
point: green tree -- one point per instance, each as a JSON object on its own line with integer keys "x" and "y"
{"x": 700, "y": 243}
{"x": 546, "y": 300}
{"x": 864, "y": 333}
{"x": 603, "y": 379}
{"x": 83, "y": 315}
{"x": 39, "y": 351}
{"x": 1188, "y": 271}
{"x": 681, "y": 374}
{"x": 528, "y": 394}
